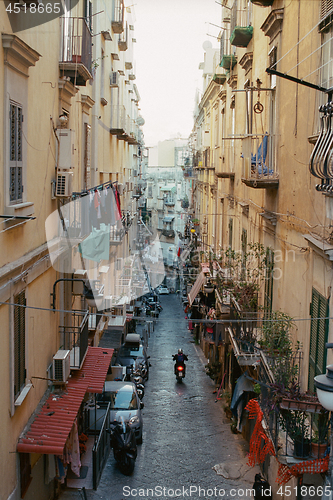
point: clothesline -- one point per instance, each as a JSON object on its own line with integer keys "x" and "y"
{"x": 105, "y": 185}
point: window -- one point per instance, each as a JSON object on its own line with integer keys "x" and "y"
{"x": 15, "y": 152}
{"x": 87, "y": 155}
{"x": 19, "y": 343}
{"x": 319, "y": 311}
{"x": 230, "y": 233}
{"x": 244, "y": 252}
{"x": 268, "y": 293}
{"x": 150, "y": 191}
{"x": 326, "y": 28}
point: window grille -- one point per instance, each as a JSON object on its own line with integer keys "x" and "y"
{"x": 19, "y": 342}
{"x": 15, "y": 152}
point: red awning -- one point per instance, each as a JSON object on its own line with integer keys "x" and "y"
{"x": 196, "y": 287}
{"x": 49, "y": 430}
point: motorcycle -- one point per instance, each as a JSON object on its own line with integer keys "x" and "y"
{"x": 179, "y": 369}
{"x": 136, "y": 376}
{"x": 124, "y": 446}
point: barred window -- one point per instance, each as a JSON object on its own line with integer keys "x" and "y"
{"x": 19, "y": 343}
{"x": 15, "y": 152}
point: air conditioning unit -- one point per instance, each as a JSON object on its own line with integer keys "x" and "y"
{"x": 61, "y": 366}
{"x": 64, "y": 184}
{"x": 114, "y": 79}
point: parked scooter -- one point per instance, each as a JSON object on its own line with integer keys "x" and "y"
{"x": 180, "y": 367}
{"x": 136, "y": 376}
{"x": 124, "y": 446}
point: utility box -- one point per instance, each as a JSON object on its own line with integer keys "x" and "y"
{"x": 78, "y": 286}
{"x": 65, "y": 149}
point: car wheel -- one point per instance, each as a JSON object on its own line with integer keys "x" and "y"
{"x": 139, "y": 440}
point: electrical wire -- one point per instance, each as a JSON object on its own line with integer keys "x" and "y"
{"x": 160, "y": 320}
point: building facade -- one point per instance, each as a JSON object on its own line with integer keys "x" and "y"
{"x": 263, "y": 181}
{"x": 70, "y": 133}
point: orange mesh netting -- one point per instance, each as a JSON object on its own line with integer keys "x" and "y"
{"x": 310, "y": 466}
{"x": 257, "y": 453}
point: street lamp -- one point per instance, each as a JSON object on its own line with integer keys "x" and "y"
{"x": 324, "y": 387}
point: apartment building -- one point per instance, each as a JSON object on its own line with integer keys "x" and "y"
{"x": 70, "y": 137}
{"x": 264, "y": 179}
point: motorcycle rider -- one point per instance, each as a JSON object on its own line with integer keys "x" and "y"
{"x": 180, "y": 357}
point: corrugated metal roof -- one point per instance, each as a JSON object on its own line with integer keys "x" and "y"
{"x": 49, "y": 430}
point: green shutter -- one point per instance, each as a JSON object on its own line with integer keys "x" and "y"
{"x": 318, "y": 337}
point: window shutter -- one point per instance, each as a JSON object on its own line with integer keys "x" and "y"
{"x": 326, "y": 7}
{"x": 318, "y": 337}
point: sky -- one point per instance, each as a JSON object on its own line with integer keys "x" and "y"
{"x": 170, "y": 35}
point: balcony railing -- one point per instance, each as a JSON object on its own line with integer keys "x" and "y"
{"x": 76, "y": 50}
{"x": 240, "y": 23}
{"x": 75, "y": 337}
{"x": 259, "y": 167}
{"x": 123, "y": 40}
{"x": 116, "y": 235}
{"x": 118, "y": 120}
{"x": 117, "y": 22}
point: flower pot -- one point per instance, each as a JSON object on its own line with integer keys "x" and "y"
{"x": 302, "y": 449}
{"x": 318, "y": 450}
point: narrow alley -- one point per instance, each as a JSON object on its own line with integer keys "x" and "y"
{"x": 185, "y": 433}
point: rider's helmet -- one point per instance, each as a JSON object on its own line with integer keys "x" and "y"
{"x": 180, "y": 351}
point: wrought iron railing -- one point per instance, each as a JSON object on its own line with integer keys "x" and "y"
{"x": 101, "y": 447}
{"x": 76, "y": 46}
{"x": 240, "y": 14}
{"x": 259, "y": 157}
{"x": 75, "y": 336}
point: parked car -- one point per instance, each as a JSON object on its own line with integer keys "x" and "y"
{"x": 163, "y": 290}
{"x": 125, "y": 403}
{"x": 131, "y": 350}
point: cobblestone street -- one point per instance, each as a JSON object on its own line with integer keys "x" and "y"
{"x": 185, "y": 432}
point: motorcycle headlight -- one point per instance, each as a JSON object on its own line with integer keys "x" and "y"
{"x": 134, "y": 420}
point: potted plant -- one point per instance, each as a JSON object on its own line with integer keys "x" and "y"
{"x": 296, "y": 425}
{"x": 276, "y": 338}
{"x": 319, "y": 437}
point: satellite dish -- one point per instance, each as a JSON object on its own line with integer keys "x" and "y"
{"x": 140, "y": 121}
{"x": 207, "y": 45}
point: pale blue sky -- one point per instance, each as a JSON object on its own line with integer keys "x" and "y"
{"x": 170, "y": 35}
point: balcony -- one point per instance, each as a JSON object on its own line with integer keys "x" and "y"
{"x": 116, "y": 235}
{"x": 117, "y": 22}
{"x": 75, "y": 337}
{"x": 118, "y": 120}
{"x": 123, "y": 40}
{"x": 259, "y": 170}
{"x": 76, "y": 50}
{"x": 228, "y": 62}
{"x": 219, "y": 77}
{"x": 240, "y": 25}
